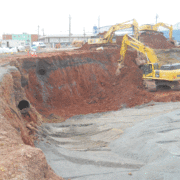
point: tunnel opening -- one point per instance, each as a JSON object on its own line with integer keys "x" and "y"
{"x": 23, "y": 104}
{"x": 42, "y": 71}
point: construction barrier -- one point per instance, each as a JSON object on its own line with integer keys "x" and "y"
{"x": 33, "y": 53}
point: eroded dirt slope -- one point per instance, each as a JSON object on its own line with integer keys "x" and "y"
{"x": 19, "y": 159}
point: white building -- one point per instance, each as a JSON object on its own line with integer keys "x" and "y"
{"x": 12, "y": 43}
{"x": 63, "y": 39}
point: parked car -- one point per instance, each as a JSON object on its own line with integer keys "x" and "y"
{"x": 33, "y": 47}
{"x": 39, "y": 44}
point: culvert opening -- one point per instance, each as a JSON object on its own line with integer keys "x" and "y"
{"x": 42, "y": 71}
{"x": 23, "y": 104}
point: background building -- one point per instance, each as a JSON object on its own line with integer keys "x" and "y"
{"x": 28, "y": 38}
{"x": 7, "y": 37}
{"x": 52, "y": 40}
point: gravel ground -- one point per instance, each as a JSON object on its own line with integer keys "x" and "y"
{"x": 137, "y": 143}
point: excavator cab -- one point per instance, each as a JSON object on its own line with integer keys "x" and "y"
{"x": 148, "y": 69}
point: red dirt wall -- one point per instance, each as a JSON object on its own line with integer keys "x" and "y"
{"x": 82, "y": 82}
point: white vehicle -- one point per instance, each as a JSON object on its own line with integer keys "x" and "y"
{"x": 39, "y": 44}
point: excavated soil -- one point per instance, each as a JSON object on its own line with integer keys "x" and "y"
{"x": 82, "y": 82}
{"x": 155, "y": 40}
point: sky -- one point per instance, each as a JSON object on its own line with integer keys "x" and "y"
{"x": 53, "y": 16}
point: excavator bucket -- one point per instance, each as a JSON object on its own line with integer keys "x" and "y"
{"x": 141, "y": 59}
{"x": 120, "y": 66}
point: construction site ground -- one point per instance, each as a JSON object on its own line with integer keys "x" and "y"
{"x": 89, "y": 122}
{"x": 132, "y": 143}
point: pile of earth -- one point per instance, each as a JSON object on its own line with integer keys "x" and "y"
{"x": 155, "y": 40}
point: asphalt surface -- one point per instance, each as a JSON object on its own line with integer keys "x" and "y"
{"x": 137, "y": 143}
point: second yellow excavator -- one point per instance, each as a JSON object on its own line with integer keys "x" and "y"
{"x": 149, "y": 27}
{"x": 110, "y": 33}
{"x": 156, "y": 72}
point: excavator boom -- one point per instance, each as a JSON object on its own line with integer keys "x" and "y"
{"x": 148, "y": 52}
{"x": 148, "y": 27}
{"x": 110, "y": 33}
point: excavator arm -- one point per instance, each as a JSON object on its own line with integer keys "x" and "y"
{"x": 148, "y": 52}
{"x": 170, "y": 27}
{"x": 110, "y": 33}
{"x": 148, "y": 27}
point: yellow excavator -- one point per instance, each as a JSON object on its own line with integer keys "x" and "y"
{"x": 156, "y": 72}
{"x": 148, "y": 27}
{"x": 110, "y": 33}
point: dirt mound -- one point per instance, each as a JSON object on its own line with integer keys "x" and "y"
{"x": 155, "y": 40}
{"x": 102, "y": 34}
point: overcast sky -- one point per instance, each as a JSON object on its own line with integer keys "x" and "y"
{"x": 18, "y": 16}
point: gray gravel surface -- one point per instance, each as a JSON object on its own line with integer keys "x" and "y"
{"x": 137, "y": 143}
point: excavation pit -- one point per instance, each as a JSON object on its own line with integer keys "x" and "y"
{"x": 82, "y": 82}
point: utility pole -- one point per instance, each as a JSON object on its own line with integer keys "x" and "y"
{"x": 156, "y": 18}
{"x": 38, "y": 32}
{"x": 69, "y": 29}
{"x": 99, "y": 24}
{"x": 43, "y": 31}
{"x": 84, "y": 33}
